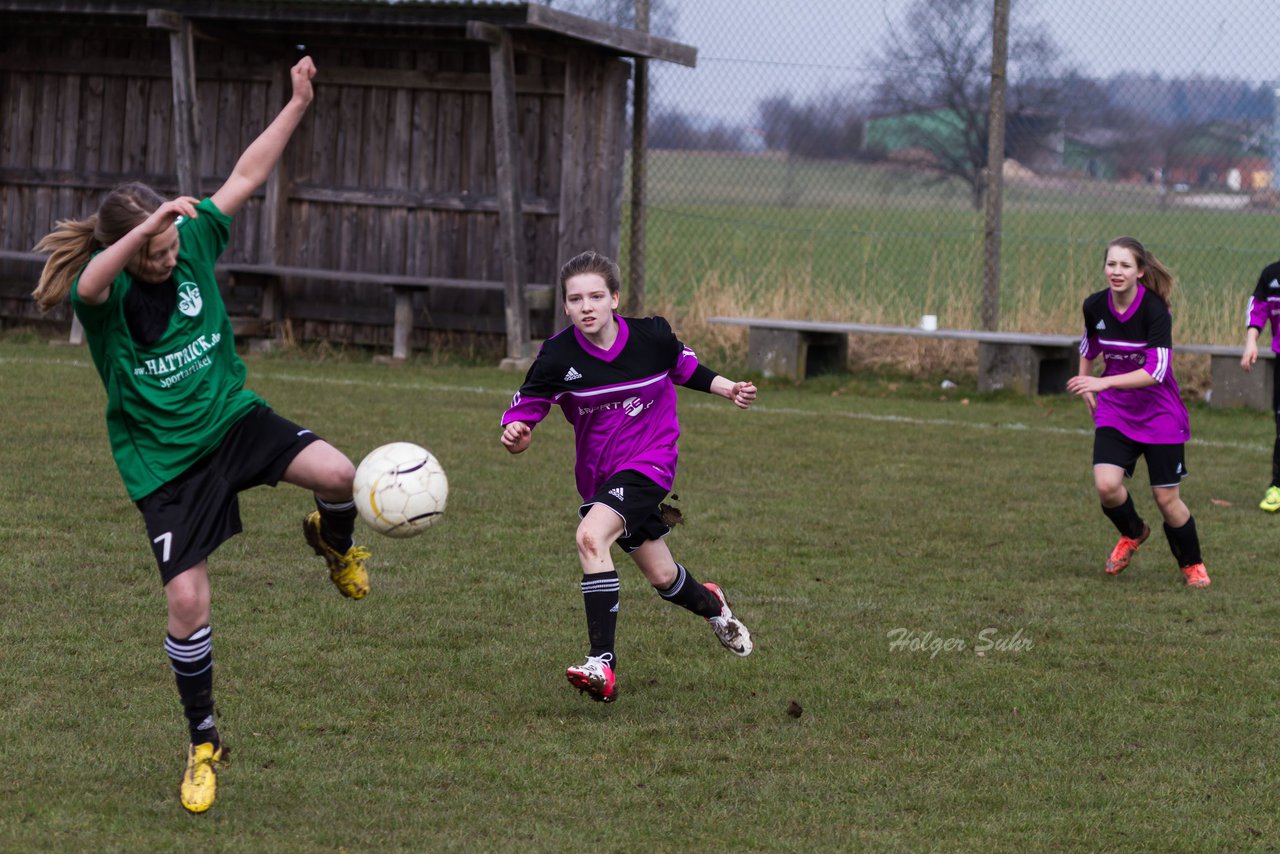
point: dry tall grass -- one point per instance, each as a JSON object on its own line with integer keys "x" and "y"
{"x": 790, "y": 294}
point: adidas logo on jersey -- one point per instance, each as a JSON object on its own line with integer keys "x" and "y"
{"x": 572, "y": 374}
{"x": 1102, "y": 324}
{"x": 1274, "y": 284}
{"x": 616, "y": 493}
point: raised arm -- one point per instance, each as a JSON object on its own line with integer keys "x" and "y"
{"x": 257, "y": 161}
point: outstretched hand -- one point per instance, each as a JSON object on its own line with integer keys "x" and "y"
{"x": 301, "y": 75}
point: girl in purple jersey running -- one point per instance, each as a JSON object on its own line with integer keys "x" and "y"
{"x": 614, "y": 379}
{"x": 1136, "y": 406}
{"x": 1264, "y": 307}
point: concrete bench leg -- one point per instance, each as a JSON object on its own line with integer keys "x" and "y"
{"x": 404, "y": 324}
{"x": 1233, "y": 387}
{"x": 1027, "y": 368}
{"x": 796, "y": 355}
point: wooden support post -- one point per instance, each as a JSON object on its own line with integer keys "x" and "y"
{"x": 274, "y": 211}
{"x": 186, "y": 116}
{"x": 506, "y": 143}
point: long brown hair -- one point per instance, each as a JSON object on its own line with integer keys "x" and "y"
{"x": 1152, "y": 275}
{"x": 72, "y": 243}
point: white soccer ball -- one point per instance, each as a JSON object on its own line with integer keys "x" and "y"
{"x": 400, "y": 489}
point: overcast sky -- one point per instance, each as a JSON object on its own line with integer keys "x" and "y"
{"x": 750, "y": 49}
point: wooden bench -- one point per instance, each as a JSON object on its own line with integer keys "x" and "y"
{"x": 1032, "y": 363}
{"x": 266, "y": 328}
{"x": 540, "y": 296}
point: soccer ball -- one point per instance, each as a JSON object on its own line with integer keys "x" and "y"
{"x": 400, "y": 489}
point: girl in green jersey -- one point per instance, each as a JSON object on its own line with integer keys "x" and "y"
{"x": 186, "y": 434}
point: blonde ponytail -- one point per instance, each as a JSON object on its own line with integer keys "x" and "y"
{"x": 70, "y": 246}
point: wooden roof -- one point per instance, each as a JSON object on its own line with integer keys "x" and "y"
{"x": 373, "y": 16}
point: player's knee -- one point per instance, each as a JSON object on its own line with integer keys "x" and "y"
{"x": 337, "y": 474}
{"x": 1111, "y": 494}
{"x": 588, "y": 542}
{"x": 1168, "y": 502}
{"x": 188, "y": 609}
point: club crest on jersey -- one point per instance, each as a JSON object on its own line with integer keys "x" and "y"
{"x": 189, "y": 301}
{"x": 572, "y": 374}
{"x": 616, "y": 492}
{"x": 633, "y": 406}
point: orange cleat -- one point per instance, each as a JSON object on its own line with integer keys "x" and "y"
{"x": 1195, "y": 575}
{"x": 1124, "y": 550}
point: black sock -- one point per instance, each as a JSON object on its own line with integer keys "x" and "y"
{"x": 686, "y": 592}
{"x": 192, "y": 662}
{"x": 337, "y": 523}
{"x": 1125, "y": 518}
{"x": 1184, "y": 543}
{"x": 600, "y": 598}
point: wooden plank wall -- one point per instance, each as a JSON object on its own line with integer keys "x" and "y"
{"x": 392, "y": 172}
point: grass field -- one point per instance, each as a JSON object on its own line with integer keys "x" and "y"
{"x": 867, "y": 528}
{"x": 849, "y": 241}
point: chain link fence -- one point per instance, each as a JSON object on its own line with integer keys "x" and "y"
{"x": 826, "y": 161}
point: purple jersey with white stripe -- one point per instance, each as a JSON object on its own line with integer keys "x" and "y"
{"x": 1141, "y": 337}
{"x": 1264, "y": 304}
{"x": 621, "y": 401}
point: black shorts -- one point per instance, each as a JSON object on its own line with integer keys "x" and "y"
{"x": 193, "y": 514}
{"x": 1166, "y": 464}
{"x": 636, "y": 499}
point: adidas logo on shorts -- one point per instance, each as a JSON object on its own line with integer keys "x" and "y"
{"x": 616, "y": 493}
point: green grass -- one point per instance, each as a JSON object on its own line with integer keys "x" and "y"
{"x": 434, "y": 715}
{"x": 863, "y": 243}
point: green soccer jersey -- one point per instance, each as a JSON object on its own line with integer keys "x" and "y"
{"x": 171, "y": 403}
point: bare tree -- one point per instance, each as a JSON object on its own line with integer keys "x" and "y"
{"x": 622, "y": 13}
{"x": 934, "y": 76}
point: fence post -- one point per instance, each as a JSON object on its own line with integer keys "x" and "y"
{"x": 995, "y": 168}
{"x": 639, "y": 169}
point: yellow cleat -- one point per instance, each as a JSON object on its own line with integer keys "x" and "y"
{"x": 200, "y": 780}
{"x": 346, "y": 571}
{"x": 1271, "y": 501}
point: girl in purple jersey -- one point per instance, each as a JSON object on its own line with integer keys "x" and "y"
{"x": 614, "y": 379}
{"x": 1136, "y": 406}
{"x": 1264, "y": 306}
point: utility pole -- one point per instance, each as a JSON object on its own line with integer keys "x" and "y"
{"x": 994, "y": 193}
{"x": 639, "y": 168}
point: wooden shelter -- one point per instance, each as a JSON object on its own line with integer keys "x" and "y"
{"x": 455, "y": 154}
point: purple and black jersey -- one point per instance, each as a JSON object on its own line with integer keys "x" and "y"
{"x": 1141, "y": 337}
{"x": 1264, "y": 304}
{"x": 621, "y": 401}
